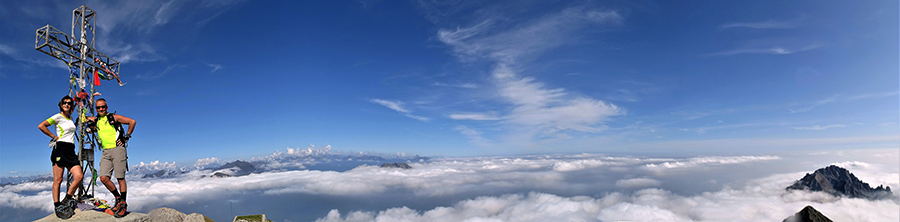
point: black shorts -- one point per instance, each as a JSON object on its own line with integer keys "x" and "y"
{"x": 64, "y": 156}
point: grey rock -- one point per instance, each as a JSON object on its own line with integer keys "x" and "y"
{"x": 220, "y": 175}
{"x": 238, "y": 168}
{"x": 807, "y": 214}
{"x": 166, "y": 214}
{"x": 396, "y": 165}
{"x": 162, "y": 174}
{"x": 195, "y": 217}
{"x": 839, "y": 182}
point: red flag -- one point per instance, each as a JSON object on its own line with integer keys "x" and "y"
{"x": 96, "y": 78}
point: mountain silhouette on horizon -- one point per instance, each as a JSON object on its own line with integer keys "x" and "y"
{"x": 840, "y": 182}
{"x": 807, "y": 214}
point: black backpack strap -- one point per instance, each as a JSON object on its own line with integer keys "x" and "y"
{"x": 111, "y": 118}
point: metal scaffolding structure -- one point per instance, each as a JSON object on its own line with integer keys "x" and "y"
{"x": 81, "y": 58}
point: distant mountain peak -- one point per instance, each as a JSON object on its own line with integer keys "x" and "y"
{"x": 396, "y": 165}
{"x": 807, "y": 214}
{"x": 236, "y": 168}
{"x": 839, "y": 182}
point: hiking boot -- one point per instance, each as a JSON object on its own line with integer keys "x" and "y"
{"x": 63, "y": 212}
{"x": 115, "y": 206}
{"x": 122, "y": 211}
{"x": 71, "y": 203}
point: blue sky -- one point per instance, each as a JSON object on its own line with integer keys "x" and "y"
{"x": 231, "y": 79}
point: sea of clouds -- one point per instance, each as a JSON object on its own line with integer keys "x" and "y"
{"x": 305, "y": 185}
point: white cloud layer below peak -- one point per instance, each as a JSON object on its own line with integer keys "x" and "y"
{"x": 584, "y": 187}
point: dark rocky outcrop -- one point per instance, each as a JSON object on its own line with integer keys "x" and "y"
{"x": 839, "y": 182}
{"x": 220, "y": 175}
{"x": 807, "y": 214}
{"x": 238, "y": 168}
{"x": 396, "y": 165}
{"x": 162, "y": 174}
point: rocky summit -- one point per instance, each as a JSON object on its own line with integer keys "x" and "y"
{"x": 396, "y": 165}
{"x": 839, "y": 182}
{"x": 807, "y": 214}
{"x": 158, "y": 215}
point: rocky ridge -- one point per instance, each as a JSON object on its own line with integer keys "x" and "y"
{"x": 396, "y": 165}
{"x": 840, "y": 182}
{"x": 807, "y": 214}
{"x": 164, "y": 214}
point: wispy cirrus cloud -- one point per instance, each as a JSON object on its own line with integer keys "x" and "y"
{"x": 14, "y": 54}
{"x": 117, "y": 21}
{"x": 807, "y": 106}
{"x": 537, "y": 110}
{"x": 8, "y": 51}
{"x": 775, "y": 50}
{"x": 817, "y": 127}
{"x": 770, "y": 24}
{"x": 474, "y": 136}
{"x": 462, "y": 85}
{"x": 394, "y": 105}
{"x": 488, "y": 39}
{"x": 215, "y": 67}
{"x": 474, "y": 116}
{"x": 874, "y": 95}
{"x": 398, "y": 106}
{"x": 152, "y": 75}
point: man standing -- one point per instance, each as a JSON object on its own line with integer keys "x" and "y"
{"x": 113, "y": 140}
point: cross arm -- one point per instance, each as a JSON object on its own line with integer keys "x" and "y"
{"x": 55, "y": 43}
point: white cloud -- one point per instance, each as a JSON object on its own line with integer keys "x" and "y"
{"x": 853, "y": 164}
{"x": 8, "y": 51}
{"x": 875, "y": 95}
{"x": 398, "y": 106}
{"x": 817, "y": 127}
{"x": 215, "y": 67}
{"x": 165, "y": 72}
{"x": 463, "y": 85}
{"x": 771, "y": 24}
{"x": 809, "y": 106}
{"x": 14, "y": 54}
{"x": 637, "y": 182}
{"x": 146, "y": 18}
{"x": 775, "y": 50}
{"x": 705, "y": 161}
{"x": 473, "y": 116}
{"x": 765, "y": 144}
{"x": 507, "y": 46}
{"x": 473, "y": 135}
{"x": 537, "y": 110}
{"x": 419, "y": 118}
{"x": 205, "y": 162}
{"x": 394, "y": 105}
{"x": 580, "y": 164}
{"x": 152, "y": 167}
{"x": 583, "y": 187}
{"x": 756, "y": 202}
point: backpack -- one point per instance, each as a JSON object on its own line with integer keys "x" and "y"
{"x": 111, "y": 119}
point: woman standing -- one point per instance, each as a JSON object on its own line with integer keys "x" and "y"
{"x": 63, "y": 156}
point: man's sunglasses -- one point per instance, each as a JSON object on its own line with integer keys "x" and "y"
{"x": 101, "y": 107}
